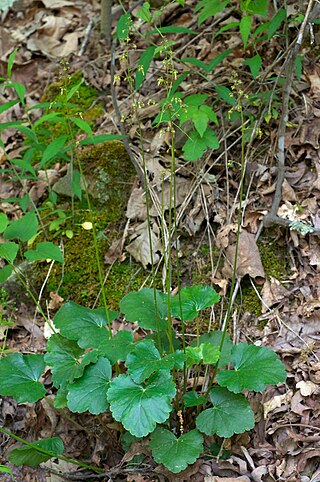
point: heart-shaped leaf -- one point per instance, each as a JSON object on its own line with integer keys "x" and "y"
{"x": 142, "y": 307}
{"x": 118, "y": 347}
{"x": 254, "y": 368}
{"x": 193, "y": 300}
{"x": 82, "y": 324}
{"x": 33, "y": 456}
{"x": 175, "y": 453}
{"x": 140, "y": 407}
{"x": 43, "y": 251}
{"x": 66, "y": 359}
{"x": 9, "y": 251}
{"x": 24, "y": 228}
{"x": 230, "y": 414}
{"x": 90, "y": 391}
{"x": 19, "y": 377}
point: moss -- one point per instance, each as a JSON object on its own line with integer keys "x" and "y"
{"x": 83, "y": 97}
{"x": 84, "y": 101}
{"x": 250, "y": 301}
{"x": 274, "y": 259}
{"x": 109, "y": 173}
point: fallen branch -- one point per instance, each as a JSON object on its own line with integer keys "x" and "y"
{"x": 272, "y": 218}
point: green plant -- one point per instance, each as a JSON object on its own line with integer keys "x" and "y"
{"x": 150, "y": 395}
{"x": 144, "y": 384}
{"x": 43, "y": 144}
{"x": 5, "y": 469}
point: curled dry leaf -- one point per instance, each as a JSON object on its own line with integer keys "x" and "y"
{"x": 272, "y": 292}
{"x": 307, "y": 388}
{"x": 139, "y": 248}
{"x": 56, "y": 301}
{"x": 114, "y": 252}
{"x": 276, "y": 402}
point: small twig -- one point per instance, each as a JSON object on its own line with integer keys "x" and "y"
{"x": 109, "y": 473}
{"x": 86, "y": 36}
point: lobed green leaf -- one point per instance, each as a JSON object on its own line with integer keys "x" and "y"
{"x": 230, "y": 414}
{"x": 90, "y": 391}
{"x": 140, "y": 407}
{"x": 19, "y": 376}
{"x": 254, "y": 368}
{"x": 175, "y": 453}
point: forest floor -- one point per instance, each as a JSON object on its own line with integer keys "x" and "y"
{"x": 278, "y": 290}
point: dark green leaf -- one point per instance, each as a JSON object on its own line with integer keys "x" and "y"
{"x": 8, "y": 105}
{"x": 254, "y": 65}
{"x": 9, "y": 251}
{"x": 194, "y": 147}
{"x": 19, "y": 377}
{"x": 245, "y": 29}
{"x": 140, "y": 407}
{"x": 20, "y": 90}
{"x": 200, "y": 121}
{"x": 52, "y": 150}
{"x": 225, "y": 94}
{"x": 209, "y": 9}
{"x": 257, "y": 7}
{"x": 65, "y": 358}
{"x": 144, "y": 13}
{"x": 90, "y": 391}
{"x": 275, "y": 23}
{"x": 82, "y": 324}
{"x": 254, "y": 368}
{"x": 33, "y": 456}
{"x": 11, "y": 60}
{"x": 60, "y": 400}
{"x": 175, "y": 453}
{"x": 145, "y": 360}
{"x": 217, "y": 60}
{"x": 210, "y": 113}
{"x": 118, "y": 347}
{"x": 140, "y": 306}
{"x": 123, "y": 27}
{"x": 74, "y": 89}
{"x": 24, "y": 228}
{"x": 230, "y": 414}
{"x": 43, "y": 251}
{"x": 195, "y": 99}
{"x": 3, "y": 222}
{"x": 143, "y": 65}
{"x": 5, "y": 273}
{"x": 83, "y": 125}
{"x": 193, "y": 300}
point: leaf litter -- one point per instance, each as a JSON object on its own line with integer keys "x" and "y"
{"x": 284, "y": 445}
